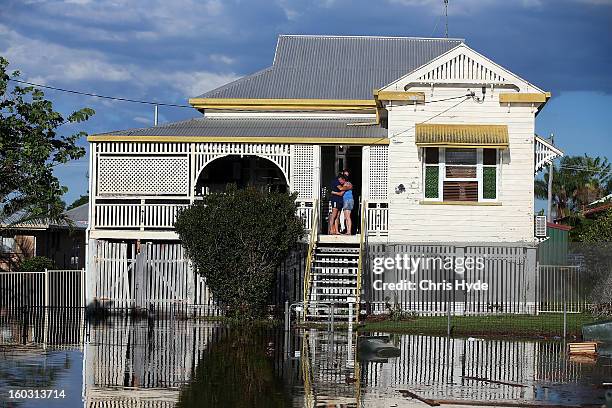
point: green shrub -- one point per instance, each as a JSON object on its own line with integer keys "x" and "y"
{"x": 35, "y": 264}
{"x": 599, "y": 230}
{"x": 237, "y": 240}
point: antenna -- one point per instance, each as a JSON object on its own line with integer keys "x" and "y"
{"x": 446, "y": 18}
{"x": 155, "y": 115}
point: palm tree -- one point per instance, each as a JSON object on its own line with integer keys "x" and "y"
{"x": 577, "y": 181}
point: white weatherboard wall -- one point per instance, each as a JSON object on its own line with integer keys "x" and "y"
{"x": 412, "y": 221}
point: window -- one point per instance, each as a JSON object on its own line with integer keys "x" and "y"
{"x": 466, "y": 174}
{"x": 7, "y": 245}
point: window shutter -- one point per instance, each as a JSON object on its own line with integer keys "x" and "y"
{"x": 432, "y": 172}
{"x": 489, "y": 183}
{"x": 431, "y": 181}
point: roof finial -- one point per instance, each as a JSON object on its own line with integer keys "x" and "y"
{"x": 446, "y": 18}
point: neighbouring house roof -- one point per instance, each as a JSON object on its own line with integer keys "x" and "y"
{"x": 268, "y": 130}
{"x": 334, "y": 67}
{"x": 604, "y": 199}
{"x": 590, "y": 212}
{"x": 79, "y": 216}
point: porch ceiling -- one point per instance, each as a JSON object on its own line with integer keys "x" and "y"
{"x": 254, "y": 130}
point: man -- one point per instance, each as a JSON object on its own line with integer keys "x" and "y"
{"x": 336, "y": 204}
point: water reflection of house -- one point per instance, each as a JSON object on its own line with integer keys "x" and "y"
{"x": 61, "y": 241}
{"x": 126, "y": 364}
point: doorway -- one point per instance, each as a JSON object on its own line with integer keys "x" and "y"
{"x": 333, "y": 160}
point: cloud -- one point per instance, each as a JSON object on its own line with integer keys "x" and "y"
{"x": 48, "y": 63}
{"x": 195, "y": 83}
{"x": 144, "y": 120}
{"x": 289, "y": 9}
{"x": 223, "y": 59}
{"x": 159, "y": 18}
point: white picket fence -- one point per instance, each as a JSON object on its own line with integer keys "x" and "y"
{"x": 49, "y": 288}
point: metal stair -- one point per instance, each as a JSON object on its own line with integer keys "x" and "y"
{"x": 333, "y": 279}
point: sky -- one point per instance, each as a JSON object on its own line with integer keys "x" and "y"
{"x": 168, "y": 51}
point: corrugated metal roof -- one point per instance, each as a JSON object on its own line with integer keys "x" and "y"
{"x": 258, "y": 127}
{"x": 78, "y": 216}
{"x": 461, "y": 135}
{"x": 334, "y": 67}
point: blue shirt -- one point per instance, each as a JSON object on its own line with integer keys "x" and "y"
{"x": 334, "y": 185}
{"x": 348, "y": 195}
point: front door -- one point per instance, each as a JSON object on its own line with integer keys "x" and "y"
{"x": 333, "y": 160}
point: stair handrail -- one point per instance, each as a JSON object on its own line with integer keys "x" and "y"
{"x": 362, "y": 240}
{"x": 314, "y": 229}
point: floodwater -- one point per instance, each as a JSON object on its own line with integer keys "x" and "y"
{"x": 121, "y": 362}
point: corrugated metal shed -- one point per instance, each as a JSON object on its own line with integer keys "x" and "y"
{"x": 334, "y": 67}
{"x": 258, "y": 127}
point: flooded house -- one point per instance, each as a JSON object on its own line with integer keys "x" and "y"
{"x": 441, "y": 146}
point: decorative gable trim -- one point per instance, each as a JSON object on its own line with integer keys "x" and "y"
{"x": 461, "y": 66}
{"x": 544, "y": 153}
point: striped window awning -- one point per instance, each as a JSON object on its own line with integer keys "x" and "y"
{"x": 475, "y": 136}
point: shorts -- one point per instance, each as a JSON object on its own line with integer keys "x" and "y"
{"x": 336, "y": 203}
{"x": 348, "y": 204}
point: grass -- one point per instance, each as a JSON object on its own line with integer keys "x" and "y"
{"x": 541, "y": 326}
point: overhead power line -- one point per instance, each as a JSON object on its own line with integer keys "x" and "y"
{"x": 114, "y": 98}
{"x": 143, "y": 102}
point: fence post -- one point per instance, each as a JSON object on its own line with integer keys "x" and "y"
{"x": 46, "y": 288}
{"x": 287, "y": 316}
{"x": 564, "y": 319}
{"x": 448, "y": 320}
{"x": 531, "y": 272}
{"x": 350, "y": 316}
{"x": 82, "y": 297}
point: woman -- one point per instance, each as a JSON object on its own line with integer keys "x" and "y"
{"x": 348, "y": 203}
{"x": 336, "y": 204}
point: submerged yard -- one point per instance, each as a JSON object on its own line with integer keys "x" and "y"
{"x": 546, "y": 325}
{"x": 189, "y": 363}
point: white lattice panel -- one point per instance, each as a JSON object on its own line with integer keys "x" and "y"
{"x": 379, "y": 171}
{"x": 302, "y": 171}
{"x": 143, "y": 175}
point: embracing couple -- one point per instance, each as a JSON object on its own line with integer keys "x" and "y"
{"x": 341, "y": 200}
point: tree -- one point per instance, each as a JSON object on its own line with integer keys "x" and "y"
{"x": 237, "y": 240}
{"x": 83, "y": 199}
{"x": 30, "y": 147}
{"x": 577, "y": 181}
